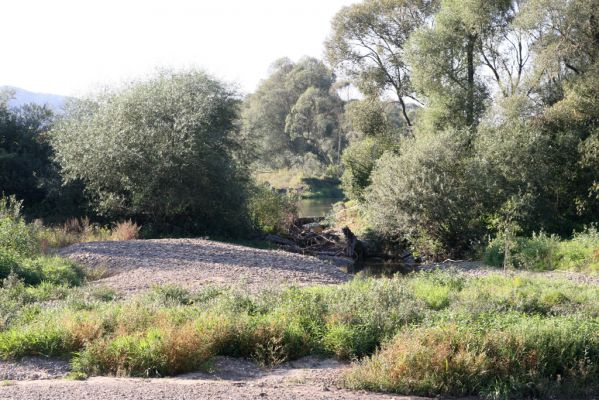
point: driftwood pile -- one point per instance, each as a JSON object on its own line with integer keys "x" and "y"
{"x": 311, "y": 236}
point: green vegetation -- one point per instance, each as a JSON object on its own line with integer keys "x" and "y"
{"x": 20, "y": 251}
{"x": 476, "y": 128}
{"x": 159, "y": 151}
{"x": 543, "y": 252}
{"x": 293, "y": 118}
{"x": 271, "y": 211}
{"x": 449, "y": 333}
{"x": 506, "y": 137}
{"x": 513, "y": 355}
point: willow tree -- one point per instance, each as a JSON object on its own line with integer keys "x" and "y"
{"x": 294, "y": 115}
{"x": 160, "y": 150}
{"x": 368, "y": 43}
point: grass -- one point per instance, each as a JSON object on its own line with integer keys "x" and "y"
{"x": 513, "y": 354}
{"x": 436, "y": 333}
{"x": 543, "y": 252}
{"x": 432, "y": 333}
{"x": 310, "y": 185}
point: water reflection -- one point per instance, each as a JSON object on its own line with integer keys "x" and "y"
{"x": 316, "y": 207}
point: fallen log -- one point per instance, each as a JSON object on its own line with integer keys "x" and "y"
{"x": 279, "y": 240}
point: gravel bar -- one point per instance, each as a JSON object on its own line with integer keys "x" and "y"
{"x": 137, "y": 265}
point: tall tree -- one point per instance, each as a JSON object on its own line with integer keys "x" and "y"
{"x": 468, "y": 41}
{"x": 293, "y": 113}
{"x": 368, "y": 41}
{"x": 160, "y": 150}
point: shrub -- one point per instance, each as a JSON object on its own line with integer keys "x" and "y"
{"x": 45, "y": 338}
{"x": 428, "y": 193}
{"x": 161, "y": 150}
{"x": 523, "y": 356}
{"x": 125, "y": 230}
{"x": 542, "y": 252}
{"x": 160, "y": 351}
{"x": 271, "y": 211}
{"x": 358, "y": 161}
{"x": 15, "y": 235}
{"x": 34, "y": 271}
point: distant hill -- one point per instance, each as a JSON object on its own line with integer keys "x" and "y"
{"x": 22, "y": 96}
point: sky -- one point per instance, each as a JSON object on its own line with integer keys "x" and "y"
{"x": 74, "y": 47}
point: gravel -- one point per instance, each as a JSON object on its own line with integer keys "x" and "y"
{"x": 137, "y": 265}
{"x": 308, "y": 378}
{"x": 31, "y": 368}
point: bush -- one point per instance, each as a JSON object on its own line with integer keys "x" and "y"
{"x": 513, "y": 356}
{"x": 429, "y": 194}
{"x": 160, "y": 150}
{"x": 270, "y": 211}
{"x": 125, "y": 230}
{"x": 358, "y": 161}
{"x": 161, "y": 351}
{"x": 16, "y": 235}
{"x": 543, "y": 252}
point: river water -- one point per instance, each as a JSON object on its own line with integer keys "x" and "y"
{"x": 316, "y": 207}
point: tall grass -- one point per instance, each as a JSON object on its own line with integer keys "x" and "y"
{"x": 441, "y": 333}
{"x": 514, "y": 354}
{"x": 543, "y": 252}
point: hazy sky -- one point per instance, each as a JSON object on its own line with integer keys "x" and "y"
{"x": 71, "y": 47}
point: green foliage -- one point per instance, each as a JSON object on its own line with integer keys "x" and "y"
{"x": 359, "y": 160}
{"x": 543, "y": 252}
{"x": 292, "y": 119}
{"x": 428, "y": 193}
{"x": 161, "y": 150}
{"x": 442, "y": 329}
{"x": 512, "y": 355}
{"x": 372, "y": 122}
{"x": 16, "y": 235}
{"x": 271, "y": 211}
{"x": 19, "y": 251}
{"x": 26, "y": 167}
{"x": 367, "y": 44}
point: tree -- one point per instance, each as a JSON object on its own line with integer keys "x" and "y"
{"x": 294, "y": 113}
{"x": 468, "y": 42}
{"x": 368, "y": 42}
{"x": 428, "y": 193}
{"x": 313, "y": 125}
{"x": 372, "y": 124}
{"x": 161, "y": 150}
{"x": 26, "y": 167}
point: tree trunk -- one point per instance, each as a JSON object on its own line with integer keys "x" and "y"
{"x": 470, "y": 94}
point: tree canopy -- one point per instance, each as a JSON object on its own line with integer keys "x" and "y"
{"x": 294, "y": 114}
{"x": 161, "y": 150}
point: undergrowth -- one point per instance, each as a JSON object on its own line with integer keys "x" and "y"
{"x": 543, "y": 252}
{"x": 431, "y": 333}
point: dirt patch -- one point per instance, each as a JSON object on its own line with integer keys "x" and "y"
{"x": 33, "y": 368}
{"x": 308, "y": 378}
{"x": 137, "y": 265}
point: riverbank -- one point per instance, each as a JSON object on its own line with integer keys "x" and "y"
{"x": 445, "y": 332}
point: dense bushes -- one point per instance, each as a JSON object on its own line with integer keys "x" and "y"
{"x": 162, "y": 151}
{"x": 271, "y": 211}
{"x": 20, "y": 252}
{"x": 428, "y": 193}
{"x": 441, "y": 332}
{"x": 495, "y": 359}
{"x": 543, "y": 252}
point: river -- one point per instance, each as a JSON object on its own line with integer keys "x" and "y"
{"x": 316, "y": 207}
